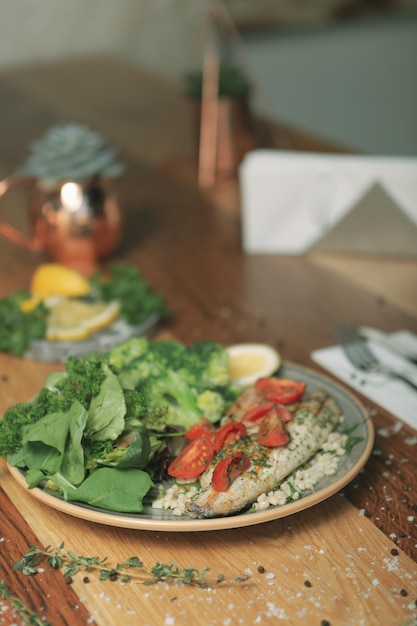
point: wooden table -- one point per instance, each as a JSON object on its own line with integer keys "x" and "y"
{"x": 358, "y": 549}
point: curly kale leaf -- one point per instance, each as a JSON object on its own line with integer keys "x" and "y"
{"x": 17, "y": 327}
{"x": 127, "y": 285}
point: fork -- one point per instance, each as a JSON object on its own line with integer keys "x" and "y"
{"x": 361, "y": 356}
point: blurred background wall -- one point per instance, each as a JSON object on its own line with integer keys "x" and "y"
{"x": 351, "y": 80}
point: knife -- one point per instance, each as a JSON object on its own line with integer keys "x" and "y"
{"x": 398, "y": 344}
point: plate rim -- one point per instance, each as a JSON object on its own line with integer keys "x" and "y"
{"x": 239, "y": 520}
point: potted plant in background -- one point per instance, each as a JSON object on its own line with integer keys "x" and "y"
{"x": 232, "y": 132}
{"x": 74, "y": 209}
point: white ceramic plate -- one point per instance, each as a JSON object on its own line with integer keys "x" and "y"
{"x": 101, "y": 341}
{"x": 154, "y": 519}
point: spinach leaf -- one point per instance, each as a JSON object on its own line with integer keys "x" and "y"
{"x": 137, "y": 453}
{"x": 107, "y": 410}
{"x": 72, "y": 466}
{"x": 114, "y": 489}
{"x": 43, "y": 443}
{"x": 53, "y": 445}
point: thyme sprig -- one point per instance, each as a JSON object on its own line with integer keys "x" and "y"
{"x": 132, "y": 569}
{"x": 25, "y": 614}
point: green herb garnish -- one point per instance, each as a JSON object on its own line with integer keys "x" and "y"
{"x": 132, "y": 569}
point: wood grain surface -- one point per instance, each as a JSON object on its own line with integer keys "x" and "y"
{"x": 337, "y": 561}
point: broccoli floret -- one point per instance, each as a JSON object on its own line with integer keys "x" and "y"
{"x": 170, "y": 393}
{"x": 121, "y": 356}
{"x": 11, "y": 425}
{"x": 136, "y": 404}
{"x": 211, "y": 404}
{"x": 173, "y": 354}
{"x": 171, "y": 376}
{"x": 95, "y": 452}
{"x": 148, "y": 365}
{"x": 160, "y": 356}
{"x": 139, "y": 413}
{"x": 207, "y": 364}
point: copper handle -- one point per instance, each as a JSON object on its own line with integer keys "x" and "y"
{"x": 9, "y": 231}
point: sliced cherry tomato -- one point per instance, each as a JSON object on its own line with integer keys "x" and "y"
{"x": 280, "y": 390}
{"x": 284, "y": 414}
{"x": 272, "y": 432}
{"x": 256, "y": 412}
{"x": 194, "y": 459}
{"x": 228, "y": 469}
{"x": 202, "y": 427}
{"x": 229, "y": 433}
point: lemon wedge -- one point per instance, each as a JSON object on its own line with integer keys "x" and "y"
{"x": 250, "y": 361}
{"x": 74, "y": 320}
{"x": 50, "y": 279}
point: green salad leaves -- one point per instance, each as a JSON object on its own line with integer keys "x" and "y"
{"x": 101, "y": 431}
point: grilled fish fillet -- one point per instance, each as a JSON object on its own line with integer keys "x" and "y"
{"x": 313, "y": 421}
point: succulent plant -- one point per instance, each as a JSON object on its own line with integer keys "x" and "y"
{"x": 233, "y": 82}
{"x": 71, "y": 151}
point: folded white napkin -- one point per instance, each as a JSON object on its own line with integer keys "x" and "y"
{"x": 292, "y": 200}
{"x": 393, "y": 395}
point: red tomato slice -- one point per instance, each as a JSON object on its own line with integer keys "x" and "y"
{"x": 280, "y": 390}
{"x": 258, "y": 411}
{"x": 193, "y": 460}
{"x": 202, "y": 427}
{"x": 229, "y": 433}
{"x": 272, "y": 432}
{"x": 284, "y": 414}
{"x": 228, "y": 469}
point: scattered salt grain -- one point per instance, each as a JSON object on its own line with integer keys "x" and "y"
{"x": 275, "y": 611}
{"x": 392, "y": 564}
{"x": 384, "y": 432}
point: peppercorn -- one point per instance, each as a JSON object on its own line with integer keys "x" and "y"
{"x": 68, "y": 580}
{"x": 394, "y": 552}
{"x": 404, "y": 593}
{"x": 324, "y": 622}
{"x": 113, "y": 576}
{"x": 86, "y": 579}
{"x": 307, "y": 583}
{"x": 401, "y": 533}
{"x": 261, "y": 569}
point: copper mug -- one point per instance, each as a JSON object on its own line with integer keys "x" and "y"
{"x": 74, "y": 223}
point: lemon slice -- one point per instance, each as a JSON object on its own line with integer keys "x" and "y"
{"x": 250, "y": 361}
{"x": 51, "y": 279}
{"x": 30, "y": 304}
{"x": 73, "y": 320}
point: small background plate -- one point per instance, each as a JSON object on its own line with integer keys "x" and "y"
{"x": 101, "y": 341}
